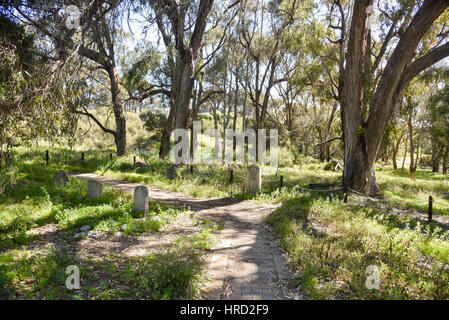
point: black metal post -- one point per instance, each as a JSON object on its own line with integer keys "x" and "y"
{"x": 430, "y": 212}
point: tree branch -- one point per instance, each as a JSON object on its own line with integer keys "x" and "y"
{"x": 90, "y": 115}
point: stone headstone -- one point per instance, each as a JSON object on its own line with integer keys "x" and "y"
{"x": 140, "y": 199}
{"x": 94, "y": 189}
{"x": 138, "y": 165}
{"x": 85, "y": 228}
{"x": 254, "y": 179}
{"x": 171, "y": 173}
{"x": 60, "y": 178}
{"x": 80, "y": 235}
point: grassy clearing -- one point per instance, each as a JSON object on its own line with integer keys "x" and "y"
{"x": 26, "y": 272}
{"x": 176, "y": 273}
{"x": 331, "y": 244}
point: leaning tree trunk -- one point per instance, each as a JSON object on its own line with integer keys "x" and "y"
{"x": 359, "y": 171}
{"x": 119, "y": 115}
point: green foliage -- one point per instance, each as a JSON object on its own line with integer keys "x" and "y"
{"x": 335, "y": 244}
{"x": 439, "y": 110}
{"x": 33, "y": 103}
{"x": 148, "y": 224}
{"x": 174, "y": 274}
{"x": 44, "y": 274}
{"x": 153, "y": 120}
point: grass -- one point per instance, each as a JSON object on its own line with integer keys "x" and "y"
{"x": 176, "y": 272}
{"x": 32, "y": 203}
{"x": 330, "y": 243}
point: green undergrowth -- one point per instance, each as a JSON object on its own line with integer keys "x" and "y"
{"x": 332, "y": 244}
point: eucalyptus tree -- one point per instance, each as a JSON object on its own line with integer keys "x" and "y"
{"x": 373, "y": 74}
{"x": 88, "y": 30}
{"x": 439, "y": 127}
{"x": 34, "y": 96}
{"x": 183, "y": 26}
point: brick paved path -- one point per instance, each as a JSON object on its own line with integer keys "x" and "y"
{"x": 247, "y": 262}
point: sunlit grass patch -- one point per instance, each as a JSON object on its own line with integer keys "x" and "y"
{"x": 335, "y": 244}
{"x": 39, "y": 276}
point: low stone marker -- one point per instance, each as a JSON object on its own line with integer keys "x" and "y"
{"x": 140, "y": 199}
{"x": 94, "y": 189}
{"x": 60, "y": 178}
{"x": 254, "y": 179}
{"x": 171, "y": 173}
{"x": 138, "y": 165}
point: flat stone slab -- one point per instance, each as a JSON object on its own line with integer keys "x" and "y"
{"x": 60, "y": 178}
{"x": 94, "y": 189}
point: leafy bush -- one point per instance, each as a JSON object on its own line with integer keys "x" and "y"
{"x": 140, "y": 226}
{"x": 286, "y": 157}
{"x": 174, "y": 274}
{"x": 153, "y": 120}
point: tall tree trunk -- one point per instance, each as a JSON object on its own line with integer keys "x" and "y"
{"x": 394, "y": 155}
{"x": 412, "y": 148}
{"x": 363, "y": 136}
{"x": 405, "y": 153}
{"x": 182, "y": 101}
{"x": 187, "y": 53}
{"x": 358, "y": 162}
{"x": 236, "y": 101}
{"x": 435, "y": 157}
{"x": 395, "y": 150}
{"x": 119, "y": 114}
{"x": 445, "y": 158}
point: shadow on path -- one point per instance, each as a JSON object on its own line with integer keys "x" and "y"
{"x": 246, "y": 262}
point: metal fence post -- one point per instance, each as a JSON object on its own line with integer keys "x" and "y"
{"x": 430, "y": 212}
